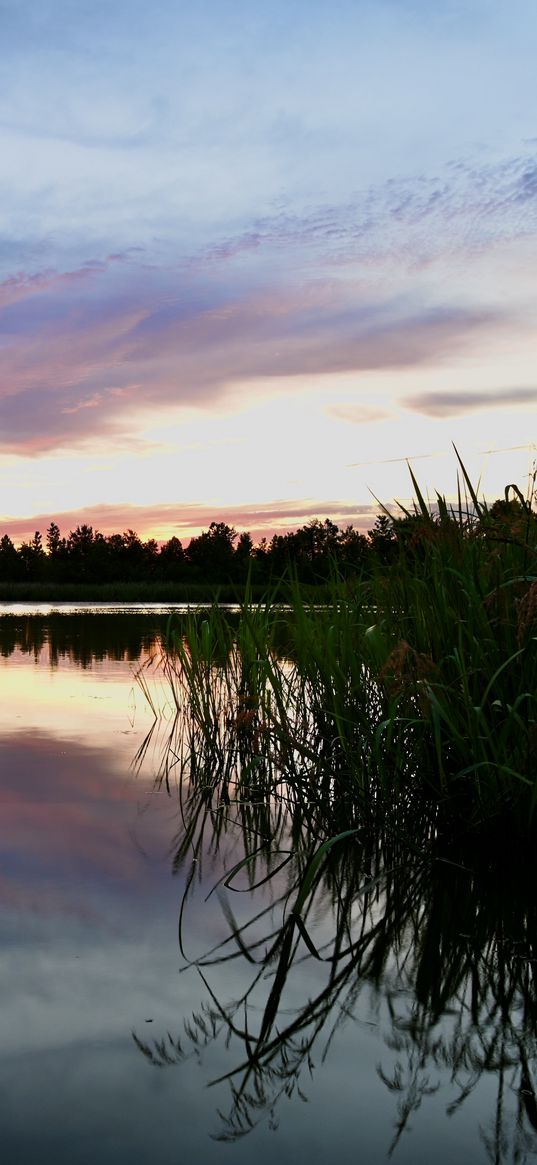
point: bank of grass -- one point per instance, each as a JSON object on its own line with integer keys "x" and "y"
{"x": 419, "y": 689}
{"x": 171, "y": 594}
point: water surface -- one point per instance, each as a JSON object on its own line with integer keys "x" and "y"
{"x": 392, "y": 1032}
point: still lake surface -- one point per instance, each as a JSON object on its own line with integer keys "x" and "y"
{"x": 127, "y": 1038}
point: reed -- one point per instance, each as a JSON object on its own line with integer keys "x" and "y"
{"x": 375, "y": 754}
{"x": 418, "y": 683}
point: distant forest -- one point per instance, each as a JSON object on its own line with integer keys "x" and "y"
{"x": 221, "y": 555}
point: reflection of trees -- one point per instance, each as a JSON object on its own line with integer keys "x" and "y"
{"x": 81, "y": 638}
{"x": 444, "y": 939}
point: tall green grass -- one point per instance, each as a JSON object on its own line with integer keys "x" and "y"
{"x": 417, "y": 684}
{"x": 373, "y": 753}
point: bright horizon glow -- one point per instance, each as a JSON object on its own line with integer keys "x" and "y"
{"x": 253, "y": 261}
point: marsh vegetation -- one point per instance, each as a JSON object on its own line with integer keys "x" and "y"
{"x": 415, "y": 683}
{"x": 368, "y": 763}
{"x": 333, "y": 797}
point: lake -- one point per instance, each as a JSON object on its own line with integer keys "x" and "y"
{"x": 157, "y": 1005}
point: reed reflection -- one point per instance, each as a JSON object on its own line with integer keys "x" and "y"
{"x": 326, "y": 913}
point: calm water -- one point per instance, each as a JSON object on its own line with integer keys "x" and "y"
{"x": 413, "y": 1036}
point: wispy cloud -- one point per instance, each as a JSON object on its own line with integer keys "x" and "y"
{"x": 416, "y": 217}
{"x": 453, "y": 403}
{"x": 357, "y": 414}
{"x": 86, "y": 352}
{"x": 163, "y": 521}
{"x": 89, "y": 349}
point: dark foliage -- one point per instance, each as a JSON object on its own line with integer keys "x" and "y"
{"x": 220, "y": 556}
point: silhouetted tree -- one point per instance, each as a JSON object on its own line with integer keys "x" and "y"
{"x": 352, "y": 549}
{"x": 10, "y": 565}
{"x": 134, "y": 556}
{"x": 382, "y": 538}
{"x": 172, "y": 560}
{"x": 32, "y": 557}
{"x": 54, "y": 540}
{"x": 316, "y": 546}
{"x": 243, "y": 554}
{"x": 79, "y": 549}
{"x": 211, "y": 553}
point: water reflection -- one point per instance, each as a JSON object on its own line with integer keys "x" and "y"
{"x": 437, "y": 942}
{"x": 87, "y": 919}
{"x": 81, "y": 638}
{"x": 397, "y": 995}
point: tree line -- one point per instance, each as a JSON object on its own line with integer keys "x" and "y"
{"x": 221, "y": 555}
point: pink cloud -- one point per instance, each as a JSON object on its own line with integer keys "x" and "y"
{"x": 357, "y": 414}
{"x": 85, "y": 350}
{"x": 164, "y": 521}
{"x": 86, "y": 355}
{"x": 24, "y": 285}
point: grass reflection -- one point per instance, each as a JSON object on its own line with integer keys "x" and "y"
{"x": 324, "y": 910}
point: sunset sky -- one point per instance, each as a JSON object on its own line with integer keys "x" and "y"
{"x": 255, "y": 256}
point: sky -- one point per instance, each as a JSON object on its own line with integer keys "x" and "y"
{"x": 254, "y": 259}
